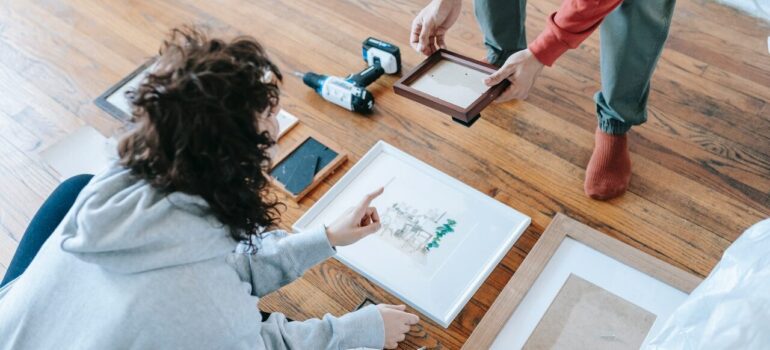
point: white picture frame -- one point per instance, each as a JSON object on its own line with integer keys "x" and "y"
{"x": 438, "y": 285}
{"x": 286, "y": 121}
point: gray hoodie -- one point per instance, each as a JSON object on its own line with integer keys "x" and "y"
{"x": 131, "y": 268}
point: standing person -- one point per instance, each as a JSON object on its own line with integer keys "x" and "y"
{"x": 632, "y": 37}
{"x": 166, "y": 248}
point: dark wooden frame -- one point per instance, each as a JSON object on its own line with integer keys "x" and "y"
{"x": 108, "y": 107}
{"x": 465, "y": 116}
{"x": 330, "y": 168}
{"x": 367, "y": 301}
{"x": 525, "y": 276}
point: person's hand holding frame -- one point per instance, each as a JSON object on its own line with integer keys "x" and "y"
{"x": 427, "y": 35}
{"x": 432, "y": 23}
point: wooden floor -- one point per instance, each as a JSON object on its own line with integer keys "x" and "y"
{"x": 701, "y": 163}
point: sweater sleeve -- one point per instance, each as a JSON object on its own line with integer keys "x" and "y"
{"x": 277, "y": 258}
{"x": 361, "y": 328}
{"x": 569, "y": 26}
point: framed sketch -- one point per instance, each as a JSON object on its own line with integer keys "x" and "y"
{"x": 581, "y": 289}
{"x": 451, "y": 83}
{"x": 114, "y": 101}
{"x": 439, "y": 240}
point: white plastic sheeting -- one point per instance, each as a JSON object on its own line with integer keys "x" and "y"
{"x": 731, "y": 308}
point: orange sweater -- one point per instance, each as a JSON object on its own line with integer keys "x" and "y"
{"x": 569, "y": 26}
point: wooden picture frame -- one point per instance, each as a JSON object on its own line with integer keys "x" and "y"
{"x": 561, "y": 228}
{"x": 367, "y": 301}
{"x": 288, "y": 146}
{"x": 465, "y": 115}
{"x": 104, "y": 102}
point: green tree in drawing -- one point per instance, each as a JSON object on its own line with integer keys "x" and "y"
{"x": 441, "y": 231}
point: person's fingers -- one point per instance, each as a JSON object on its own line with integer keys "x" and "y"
{"x": 374, "y": 214}
{"x": 432, "y": 44}
{"x": 364, "y": 231}
{"x": 501, "y": 74}
{"x": 519, "y": 93}
{"x": 414, "y": 37}
{"x": 405, "y": 328}
{"x": 440, "y": 41}
{"x": 506, "y": 95}
{"x": 367, "y": 217}
{"x": 401, "y": 337}
{"x": 391, "y": 345}
{"x": 425, "y": 36}
{"x": 367, "y": 201}
{"x": 365, "y": 220}
{"x": 503, "y": 98}
{"x": 412, "y": 319}
{"x": 513, "y": 92}
{"x": 371, "y": 212}
{"x": 401, "y": 307}
{"x": 425, "y": 49}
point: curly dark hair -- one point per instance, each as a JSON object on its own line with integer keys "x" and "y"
{"x": 198, "y": 116}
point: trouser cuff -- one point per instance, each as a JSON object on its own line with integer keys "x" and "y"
{"x": 613, "y": 126}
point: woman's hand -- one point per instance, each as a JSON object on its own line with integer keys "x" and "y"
{"x": 357, "y": 223}
{"x": 397, "y": 323}
{"x": 430, "y": 25}
{"x": 521, "y": 68}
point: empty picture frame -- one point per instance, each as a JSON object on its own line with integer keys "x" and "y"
{"x": 114, "y": 100}
{"x": 439, "y": 239}
{"x": 451, "y": 83}
{"x": 571, "y": 283}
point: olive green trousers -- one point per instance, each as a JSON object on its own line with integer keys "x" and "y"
{"x": 632, "y": 38}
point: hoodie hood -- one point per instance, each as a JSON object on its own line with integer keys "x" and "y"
{"x": 125, "y": 225}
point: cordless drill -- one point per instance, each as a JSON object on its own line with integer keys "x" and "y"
{"x": 350, "y": 92}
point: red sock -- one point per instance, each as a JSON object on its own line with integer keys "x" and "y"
{"x": 609, "y": 170}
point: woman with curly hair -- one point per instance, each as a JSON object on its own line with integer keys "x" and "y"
{"x": 171, "y": 246}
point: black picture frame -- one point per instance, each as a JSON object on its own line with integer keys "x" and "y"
{"x": 103, "y": 102}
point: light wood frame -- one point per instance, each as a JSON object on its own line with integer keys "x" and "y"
{"x": 525, "y": 276}
{"x": 329, "y": 169}
{"x": 465, "y": 116}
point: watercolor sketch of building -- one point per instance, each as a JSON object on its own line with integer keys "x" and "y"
{"x": 414, "y": 231}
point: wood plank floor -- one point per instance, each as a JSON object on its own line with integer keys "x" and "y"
{"x": 701, "y": 163}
